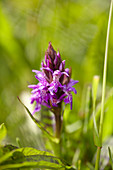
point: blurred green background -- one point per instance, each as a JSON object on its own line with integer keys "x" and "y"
{"x": 78, "y": 29}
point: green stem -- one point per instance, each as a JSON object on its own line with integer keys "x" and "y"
{"x": 58, "y": 122}
{"x": 94, "y": 120}
{"x": 58, "y": 125}
{"x": 103, "y": 89}
{"x": 97, "y": 158}
{"x": 104, "y": 73}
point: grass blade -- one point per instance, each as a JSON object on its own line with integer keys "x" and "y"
{"x": 110, "y": 157}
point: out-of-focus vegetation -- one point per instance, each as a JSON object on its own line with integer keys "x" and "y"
{"x": 78, "y": 29}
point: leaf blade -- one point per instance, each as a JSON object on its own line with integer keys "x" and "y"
{"x": 3, "y": 132}
{"x": 30, "y": 157}
{"x": 40, "y": 125}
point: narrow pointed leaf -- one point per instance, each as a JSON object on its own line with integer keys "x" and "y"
{"x": 108, "y": 100}
{"x": 95, "y": 87}
{"x": 40, "y": 125}
{"x": 88, "y": 104}
{"x": 97, "y": 140}
{"x": 3, "y": 132}
{"x": 110, "y": 157}
{"x": 90, "y": 166}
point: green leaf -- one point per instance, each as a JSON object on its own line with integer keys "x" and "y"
{"x": 6, "y": 152}
{"x": 40, "y": 125}
{"x": 110, "y": 157}
{"x": 88, "y": 104}
{"x": 71, "y": 128}
{"x": 97, "y": 140}
{"x": 18, "y": 142}
{"x": 30, "y": 157}
{"x": 109, "y": 99}
{"x": 41, "y": 164}
{"x": 90, "y": 166}
{"x": 95, "y": 87}
{"x": 3, "y": 132}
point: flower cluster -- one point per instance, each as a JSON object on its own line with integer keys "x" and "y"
{"x": 55, "y": 83}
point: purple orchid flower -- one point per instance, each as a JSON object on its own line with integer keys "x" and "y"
{"x": 55, "y": 83}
